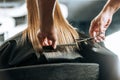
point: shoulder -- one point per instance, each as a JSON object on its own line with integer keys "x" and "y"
{"x": 15, "y": 42}
{"x": 13, "y": 51}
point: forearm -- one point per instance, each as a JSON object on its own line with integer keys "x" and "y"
{"x": 46, "y": 11}
{"x": 111, "y": 6}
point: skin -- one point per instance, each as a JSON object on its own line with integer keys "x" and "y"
{"x": 47, "y": 34}
{"x": 102, "y": 21}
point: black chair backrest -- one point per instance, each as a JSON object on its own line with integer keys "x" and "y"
{"x": 59, "y": 71}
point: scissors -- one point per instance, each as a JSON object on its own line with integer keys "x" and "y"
{"x": 77, "y": 41}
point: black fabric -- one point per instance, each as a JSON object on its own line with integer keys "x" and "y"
{"x": 14, "y": 55}
{"x": 107, "y": 60}
{"x": 58, "y": 71}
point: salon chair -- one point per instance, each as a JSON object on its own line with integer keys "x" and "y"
{"x": 56, "y": 71}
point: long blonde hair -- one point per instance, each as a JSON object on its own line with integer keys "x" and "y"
{"x": 66, "y": 32}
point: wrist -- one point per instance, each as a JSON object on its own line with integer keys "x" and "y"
{"x": 109, "y": 10}
{"x": 48, "y": 31}
{"x": 47, "y": 27}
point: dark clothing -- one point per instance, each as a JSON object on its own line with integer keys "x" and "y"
{"x": 12, "y": 55}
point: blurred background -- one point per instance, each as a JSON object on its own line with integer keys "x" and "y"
{"x": 79, "y": 13}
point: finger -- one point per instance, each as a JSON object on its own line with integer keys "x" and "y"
{"x": 42, "y": 44}
{"x": 99, "y": 39}
{"x": 97, "y": 36}
{"x": 49, "y": 42}
{"x": 94, "y": 36}
{"x": 95, "y": 33}
{"x": 102, "y": 35}
{"x": 53, "y": 40}
{"x": 54, "y": 44}
{"x": 46, "y": 42}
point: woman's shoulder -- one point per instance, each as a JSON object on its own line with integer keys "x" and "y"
{"x": 13, "y": 51}
{"x": 15, "y": 41}
{"x": 12, "y": 39}
{"x": 16, "y": 37}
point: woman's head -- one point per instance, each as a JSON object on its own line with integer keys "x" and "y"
{"x": 66, "y": 32}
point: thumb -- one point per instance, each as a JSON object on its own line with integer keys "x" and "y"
{"x": 54, "y": 44}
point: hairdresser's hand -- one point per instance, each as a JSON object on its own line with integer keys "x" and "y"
{"x": 99, "y": 26}
{"x": 48, "y": 36}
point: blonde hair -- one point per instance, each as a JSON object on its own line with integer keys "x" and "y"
{"x": 66, "y": 32}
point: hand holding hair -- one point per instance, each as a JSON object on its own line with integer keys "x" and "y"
{"x": 48, "y": 37}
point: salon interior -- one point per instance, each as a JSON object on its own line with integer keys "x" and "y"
{"x": 79, "y": 13}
